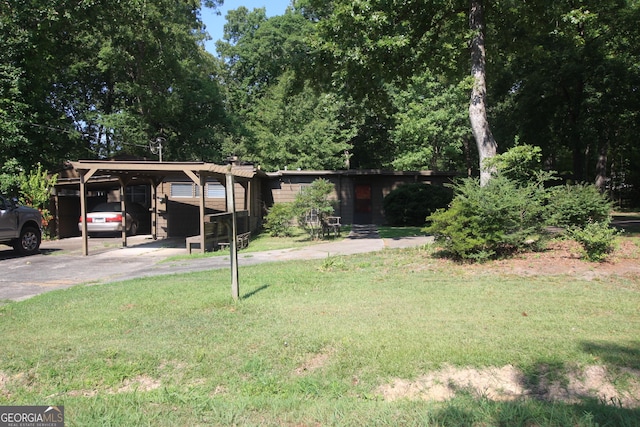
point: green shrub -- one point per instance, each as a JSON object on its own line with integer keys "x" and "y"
{"x": 597, "y": 239}
{"x": 491, "y": 221}
{"x": 520, "y": 163}
{"x": 312, "y": 205}
{"x": 278, "y": 220}
{"x": 411, "y": 204}
{"x": 576, "y": 205}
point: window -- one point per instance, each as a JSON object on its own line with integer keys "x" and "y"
{"x": 181, "y": 190}
{"x": 215, "y": 190}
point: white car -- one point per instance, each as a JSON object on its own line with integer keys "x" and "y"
{"x": 107, "y": 218}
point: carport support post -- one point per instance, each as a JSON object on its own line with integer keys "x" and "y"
{"x": 203, "y": 187}
{"x": 85, "y": 176}
{"x": 233, "y": 240}
{"x": 123, "y": 210}
{"x": 83, "y": 213}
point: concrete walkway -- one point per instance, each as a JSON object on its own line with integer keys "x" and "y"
{"x": 24, "y": 277}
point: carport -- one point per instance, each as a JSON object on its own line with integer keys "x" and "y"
{"x": 153, "y": 173}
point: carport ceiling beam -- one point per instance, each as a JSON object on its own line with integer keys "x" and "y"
{"x": 88, "y": 173}
{"x": 192, "y": 175}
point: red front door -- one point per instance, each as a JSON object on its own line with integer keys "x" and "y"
{"x": 362, "y": 214}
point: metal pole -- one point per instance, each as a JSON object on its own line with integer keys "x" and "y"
{"x": 233, "y": 239}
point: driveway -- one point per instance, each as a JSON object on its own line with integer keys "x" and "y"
{"x": 61, "y": 264}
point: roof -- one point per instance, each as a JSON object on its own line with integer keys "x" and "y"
{"x": 359, "y": 172}
{"x": 152, "y": 168}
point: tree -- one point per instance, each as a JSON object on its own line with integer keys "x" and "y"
{"x": 95, "y": 79}
{"x": 565, "y": 83}
{"x": 431, "y": 124}
{"x": 370, "y": 43}
{"x": 562, "y": 76}
{"x": 285, "y": 122}
{"x": 312, "y": 205}
{"x": 298, "y": 129}
{"x": 485, "y": 141}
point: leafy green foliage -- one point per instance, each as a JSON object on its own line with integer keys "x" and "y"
{"x": 35, "y": 191}
{"x": 431, "y": 124}
{"x": 312, "y": 205}
{"x": 278, "y": 220}
{"x": 32, "y": 188}
{"x": 520, "y": 163}
{"x": 489, "y": 221}
{"x": 511, "y": 212}
{"x": 411, "y": 204}
{"x": 298, "y": 128}
{"x": 597, "y": 239}
{"x": 95, "y": 79}
{"x": 576, "y": 205}
{"x": 10, "y": 178}
{"x": 283, "y": 121}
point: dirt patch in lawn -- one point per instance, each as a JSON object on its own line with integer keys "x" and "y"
{"x": 141, "y": 383}
{"x": 314, "y": 361}
{"x": 509, "y": 383}
{"x": 564, "y": 257}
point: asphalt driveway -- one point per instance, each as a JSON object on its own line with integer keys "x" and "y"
{"x": 61, "y": 264}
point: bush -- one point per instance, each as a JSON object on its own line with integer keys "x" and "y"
{"x": 576, "y": 206}
{"x": 312, "y": 205}
{"x": 491, "y": 221}
{"x": 411, "y": 204}
{"x": 278, "y": 220}
{"x": 596, "y": 238}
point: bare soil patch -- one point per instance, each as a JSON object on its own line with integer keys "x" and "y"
{"x": 314, "y": 361}
{"x": 564, "y": 258}
{"x": 507, "y": 383}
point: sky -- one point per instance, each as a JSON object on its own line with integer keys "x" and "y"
{"x": 215, "y": 23}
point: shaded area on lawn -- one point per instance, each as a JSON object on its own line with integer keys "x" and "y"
{"x": 623, "y": 356}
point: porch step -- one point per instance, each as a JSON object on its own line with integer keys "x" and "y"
{"x": 364, "y": 231}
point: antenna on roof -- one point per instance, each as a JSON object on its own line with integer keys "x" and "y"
{"x": 155, "y": 146}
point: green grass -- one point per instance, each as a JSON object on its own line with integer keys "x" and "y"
{"x": 388, "y": 232}
{"x": 310, "y": 342}
{"x": 264, "y": 242}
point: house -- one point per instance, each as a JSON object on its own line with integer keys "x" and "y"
{"x": 358, "y": 195}
{"x": 172, "y": 191}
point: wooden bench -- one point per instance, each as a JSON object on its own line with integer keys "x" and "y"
{"x": 210, "y": 237}
{"x": 217, "y": 230}
{"x": 243, "y": 241}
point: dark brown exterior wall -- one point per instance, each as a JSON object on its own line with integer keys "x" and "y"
{"x": 285, "y": 185}
{"x": 178, "y": 216}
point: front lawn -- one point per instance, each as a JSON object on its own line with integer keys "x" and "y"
{"x": 392, "y": 338}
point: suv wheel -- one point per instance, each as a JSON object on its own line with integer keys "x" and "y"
{"x": 29, "y": 241}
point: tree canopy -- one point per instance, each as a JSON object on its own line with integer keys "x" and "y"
{"x": 398, "y": 84}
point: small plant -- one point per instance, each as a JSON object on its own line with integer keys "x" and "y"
{"x": 278, "y": 220}
{"x": 597, "y": 239}
{"x": 333, "y": 263}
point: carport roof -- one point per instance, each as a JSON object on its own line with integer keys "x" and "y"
{"x": 160, "y": 169}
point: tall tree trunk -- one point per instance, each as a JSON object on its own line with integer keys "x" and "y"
{"x": 601, "y": 168}
{"x": 485, "y": 141}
